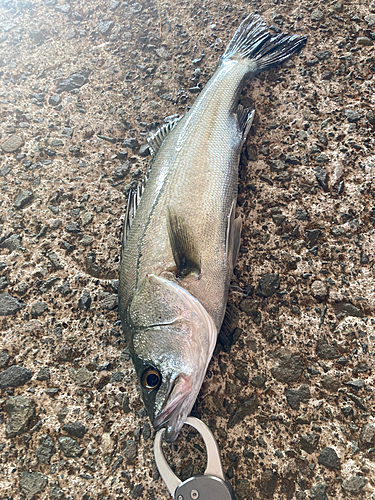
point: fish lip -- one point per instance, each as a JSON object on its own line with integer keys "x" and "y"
{"x": 173, "y": 402}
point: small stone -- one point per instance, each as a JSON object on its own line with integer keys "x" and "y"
{"x": 75, "y": 81}
{"x": 45, "y": 450}
{"x": 22, "y": 199}
{"x": 363, "y": 41}
{"x": 309, "y": 442}
{"x": 289, "y": 369}
{"x": 328, "y": 458}
{"x": 324, "y": 350}
{"x": 116, "y": 377}
{"x": 105, "y": 27}
{"x": 122, "y": 170}
{"x": 75, "y": 429}
{"x": 250, "y": 306}
{"x": 65, "y": 353}
{"x": 368, "y": 435}
{"x": 249, "y": 407}
{"x": 296, "y": 397}
{"x": 268, "y": 285}
{"x": 14, "y": 376}
{"x": 144, "y": 150}
{"x": 351, "y": 116}
{"x": 113, "y": 4}
{"x": 370, "y": 116}
{"x": 321, "y": 175}
{"x": 302, "y": 214}
{"x": 86, "y": 240}
{"x": 107, "y": 300}
{"x": 327, "y": 75}
{"x": 130, "y": 450}
{"x": 73, "y": 228}
{"x": 137, "y": 490}
{"x": 11, "y": 144}
{"x": 43, "y": 374}
{"x": 67, "y": 132}
{"x": 54, "y": 100}
{"x": 163, "y": 53}
{"x": 329, "y": 383}
{"x": 355, "y": 384}
{"x": 82, "y": 377}
{"x": 319, "y": 289}
{"x": 21, "y": 411}
{"x": 13, "y": 243}
{"x": 316, "y": 15}
{"x": 107, "y": 444}
{"x": 32, "y": 483}
{"x": 354, "y": 484}
{"x": 38, "y": 308}
{"x": 258, "y": 381}
{"x": 53, "y": 258}
{"x": 370, "y": 19}
{"x": 9, "y": 305}
{"x": 56, "y": 493}
{"x": 84, "y": 301}
{"x": 62, "y": 413}
{"x": 146, "y": 432}
{"x": 130, "y": 143}
{"x": 357, "y": 400}
{"x": 70, "y": 447}
{"x": 87, "y": 218}
{"x": 318, "y": 492}
{"x": 4, "y": 359}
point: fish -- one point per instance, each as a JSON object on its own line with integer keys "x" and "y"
{"x": 181, "y": 234}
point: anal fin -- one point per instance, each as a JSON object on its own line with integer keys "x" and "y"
{"x": 182, "y": 243}
{"x": 233, "y": 235}
{"x": 245, "y": 118}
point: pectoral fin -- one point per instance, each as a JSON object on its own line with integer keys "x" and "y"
{"x": 233, "y": 236}
{"x": 184, "y": 250}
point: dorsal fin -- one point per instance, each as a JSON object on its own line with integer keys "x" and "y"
{"x": 183, "y": 247}
{"x": 155, "y": 140}
{"x": 131, "y": 209}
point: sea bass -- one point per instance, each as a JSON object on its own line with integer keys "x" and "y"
{"x": 181, "y": 237}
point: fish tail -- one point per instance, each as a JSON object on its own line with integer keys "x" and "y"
{"x": 253, "y": 41}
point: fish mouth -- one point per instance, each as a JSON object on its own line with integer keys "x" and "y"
{"x": 175, "y": 408}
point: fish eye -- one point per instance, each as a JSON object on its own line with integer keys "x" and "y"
{"x": 151, "y": 378}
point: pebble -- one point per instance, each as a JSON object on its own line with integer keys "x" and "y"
{"x": 309, "y": 442}
{"x": 370, "y": 19}
{"x": 84, "y": 301}
{"x": 38, "y": 308}
{"x": 258, "y": 381}
{"x": 320, "y": 174}
{"x": 105, "y": 27}
{"x": 87, "y": 218}
{"x": 131, "y": 143}
{"x": 319, "y": 289}
{"x": 268, "y": 284}
{"x": 108, "y": 301}
{"x": 316, "y": 15}
{"x": 116, "y": 377}
{"x": 13, "y": 243}
{"x": 9, "y": 305}
{"x": 21, "y": 410}
{"x": 363, "y": 41}
{"x": 302, "y": 214}
{"x": 43, "y": 374}
{"x": 113, "y": 4}
{"x": 67, "y": 132}
{"x": 75, "y": 429}
{"x": 75, "y": 81}
{"x": 368, "y": 435}
{"x": 351, "y": 116}
{"x": 82, "y": 377}
{"x": 14, "y": 376}
{"x": 289, "y": 369}
{"x": 163, "y": 53}
{"x": 45, "y": 450}
{"x": 4, "y": 359}
{"x": 313, "y": 235}
{"x": 70, "y": 447}
{"x": 32, "y": 483}
{"x": 296, "y": 397}
{"x": 354, "y": 484}
{"x": 248, "y": 407}
{"x": 122, "y": 170}
{"x": 318, "y": 492}
{"x": 22, "y": 199}
{"x": 86, "y": 240}
{"x": 54, "y": 100}
{"x": 130, "y": 450}
{"x": 11, "y": 144}
{"x": 73, "y": 228}
{"x": 329, "y": 383}
{"x": 370, "y": 116}
{"x": 328, "y": 458}
{"x": 53, "y": 258}
{"x": 324, "y": 350}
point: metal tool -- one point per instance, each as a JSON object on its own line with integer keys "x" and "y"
{"x": 208, "y": 486}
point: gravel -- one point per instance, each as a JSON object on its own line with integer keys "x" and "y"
{"x": 329, "y": 458}
{"x": 21, "y": 410}
{"x": 14, "y": 376}
{"x": 9, "y": 305}
{"x": 70, "y": 447}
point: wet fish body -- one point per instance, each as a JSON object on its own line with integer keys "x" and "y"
{"x": 181, "y": 236}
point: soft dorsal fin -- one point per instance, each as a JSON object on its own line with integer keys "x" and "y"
{"x": 233, "y": 236}
{"x": 155, "y": 140}
{"x": 184, "y": 250}
{"x": 131, "y": 209}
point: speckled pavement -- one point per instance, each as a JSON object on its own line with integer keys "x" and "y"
{"x": 289, "y": 394}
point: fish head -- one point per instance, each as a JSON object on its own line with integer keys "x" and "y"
{"x": 172, "y": 338}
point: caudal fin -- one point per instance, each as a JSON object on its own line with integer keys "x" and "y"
{"x": 253, "y": 41}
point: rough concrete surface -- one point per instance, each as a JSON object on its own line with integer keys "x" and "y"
{"x": 289, "y": 392}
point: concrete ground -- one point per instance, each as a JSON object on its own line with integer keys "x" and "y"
{"x": 289, "y": 393}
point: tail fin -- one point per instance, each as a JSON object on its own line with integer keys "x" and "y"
{"x": 253, "y": 41}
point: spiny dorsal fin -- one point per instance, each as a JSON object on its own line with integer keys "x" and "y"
{"x": 233, "y": 236}
{"x": 131, "y": 209}
{"x": 184, "y": 250}
{"x": 155, "y": 140}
